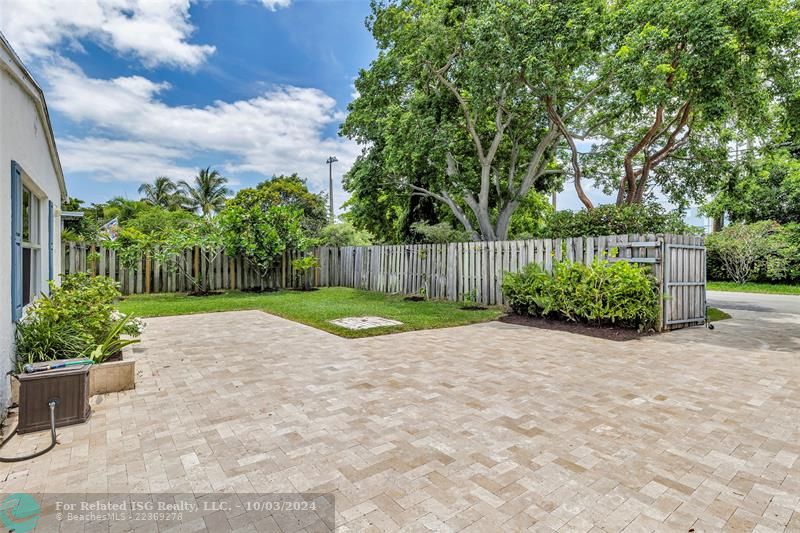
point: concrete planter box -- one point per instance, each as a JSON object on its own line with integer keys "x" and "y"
{"x": 113, "y": 376}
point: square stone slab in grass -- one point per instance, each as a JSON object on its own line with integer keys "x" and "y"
{"x": 364, "y": 322}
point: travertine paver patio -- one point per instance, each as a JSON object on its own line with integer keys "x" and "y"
{"x": 490, "y": 427}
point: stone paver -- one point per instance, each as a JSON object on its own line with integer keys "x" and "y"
{"x": 364, "y": 322}
{"x": 490, "y": 427}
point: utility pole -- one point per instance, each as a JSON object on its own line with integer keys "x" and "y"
{"x": 330, "y": 161}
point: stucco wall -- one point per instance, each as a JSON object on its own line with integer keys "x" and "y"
{"x": 22, "y": 139}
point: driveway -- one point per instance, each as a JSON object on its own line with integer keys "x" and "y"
{"x": 760, "y": 321}
{"x": 490, "y": 427}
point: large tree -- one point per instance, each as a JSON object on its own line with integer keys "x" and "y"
{"x": 467, "y": 89}
{"x": 685, "y": 79}
{"x": 496, "y": 97}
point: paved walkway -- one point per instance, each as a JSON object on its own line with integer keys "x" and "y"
{"x": 490, "y": 427}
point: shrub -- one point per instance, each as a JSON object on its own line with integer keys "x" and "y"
{"x": 612, "y": 220}
{"x": 344, "y": 234}
{"x": 73, "y": 320}
{"x": 602, "y": 293}
{"x": 761, "y": 251}
{"x": 83, "y": 300}
{"x": 44, "y": 339}
{"x": 303, "y": 266}
{"x": 443, "y": 232}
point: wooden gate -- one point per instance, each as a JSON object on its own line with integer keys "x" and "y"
{"x": 684, "y": 282}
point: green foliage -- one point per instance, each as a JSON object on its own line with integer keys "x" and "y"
{"x": 462, "y": 96}
{"x": 45, "y": 338}
{"x": 207, "y": 193}
{"x": 77, "y": 316}
{"x": 344, "y": 234}
{"x": 761, "y": 251}
{"x": 261, "y": 234}
{"x": 531, "y": 217}
{"x": 85, "y": 301}
{"x": 609, "y": 219}
{"x": 156, "y": 220}
{"x": 618, "y": 293}
{"x": 163, "y": 193}
{"x": 303, "y": 266}
{"x": 443, "y": 232}
{"x": 113, "y": 343}
{"x": 767, "y": 188}
{"x": 205, "y": 237}
{"x": 446, "y": 111}
{"x": 290, "y": 191}
{"x": 754, "y": 287}
{"x": 685, "y": 79}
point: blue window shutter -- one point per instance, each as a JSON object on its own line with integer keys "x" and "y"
{"x": 16, "y": 241}
{"x": 50, "y": 239}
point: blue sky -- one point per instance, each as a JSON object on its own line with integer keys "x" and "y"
{"x": 135, "y": 90}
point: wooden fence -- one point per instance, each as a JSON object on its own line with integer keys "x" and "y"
{"x": 456, "y": 271}
{"x": 151, "y": 276}
{"x": 474, "y": 270}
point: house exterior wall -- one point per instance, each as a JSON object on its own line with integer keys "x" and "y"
{"x": 23, "y": 138}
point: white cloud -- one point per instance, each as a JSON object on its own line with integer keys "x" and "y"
{"x": 119, "y": 160}
{"x": 280, "y": 131}
{"x": 275, "y": 4}
{"x": 155, "y": 31}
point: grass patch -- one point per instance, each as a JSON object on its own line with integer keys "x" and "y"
{"x": 761, "y": 288}
{"x": 315, "y": 308}
{"x": 715, "y": 314}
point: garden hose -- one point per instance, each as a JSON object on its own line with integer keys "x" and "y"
{"x": 52, "y": 404}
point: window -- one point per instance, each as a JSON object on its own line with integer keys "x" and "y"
{"x": 31, "y": 246}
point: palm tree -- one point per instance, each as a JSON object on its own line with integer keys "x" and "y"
{"x": 119, "y": 207}
{"x": 207, "y": 193}
{"x": 162, "y": 192}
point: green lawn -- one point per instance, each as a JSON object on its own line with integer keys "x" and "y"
{"x": 763, "y": 288}
{"x": 315, "y": 308}
{"x": 715, "y": 314}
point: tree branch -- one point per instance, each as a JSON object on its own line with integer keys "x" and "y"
{"x": 576, "y": 166}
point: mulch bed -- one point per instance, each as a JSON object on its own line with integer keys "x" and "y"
{"x": 611, "y": 333}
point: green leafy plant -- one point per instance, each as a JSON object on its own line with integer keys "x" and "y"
{"x": 44, "y": 339}
{"x": 72, "y": 320}
{"x": 344, "y": 234}
{"x": 205, "y": 239}
{"x": 85, "y": 301}
{"x": 761, "y": 251}
{"x": 618, "y": 293}
{"x": 113, "y": 343}
{"x": 470, "y": 298}
{"x": 609, "y": 219}
{"x": 261, "y": 234}
{"x": 303, "y": 266}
